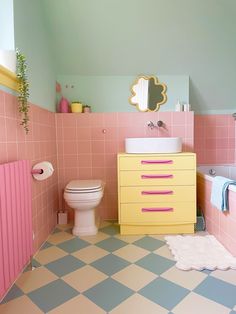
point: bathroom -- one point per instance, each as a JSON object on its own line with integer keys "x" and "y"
{"x": 95, "y": 56}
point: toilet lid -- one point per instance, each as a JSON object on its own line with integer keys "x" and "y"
{"x": 84, "y": 185}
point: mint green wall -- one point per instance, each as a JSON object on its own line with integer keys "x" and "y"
{"x": 170, "y": 37}
{"x": 6, "y": 23}
{"x": 111, "y": 93}
{"x": 31, "y": 38}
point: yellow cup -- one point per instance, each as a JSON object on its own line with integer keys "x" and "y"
{"x": 76, "y": 107}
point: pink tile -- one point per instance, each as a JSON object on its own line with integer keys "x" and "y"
{"x": 2, "y": 103}
{"x": 84, "y": 133}
{"x": 211, "y": 132}
{"x": 99, "y": 173}
{"x": 85, "y": 161}
{"x": 221, "y": 143}
{"x": 111, "y": 133}
{"x": 97, "y": 119}
{"x": 12, "y": 152}
{"x": 110, "y": 119}
{"x": 69, "y": 120}
{"x": 97, "y": 133}
{"x": 111, "y": 147}
{"x": 178, "y": 118}
{"x": 98, "y": 160}
{"x": 3, "y": 135}
{"x": 98, "y": 147}
{"x": 69, "y": 134}
{"x": 83, "y": 120}
{"x": 124, "y": 119}
{"x": 178, "y": 130}
{"x": 85, "y": 173}
{"x": 222, "y": 120}
{"x": 70, "y": 148}
{"x": 11, "y": 127}
{"x": 11, "y": 106}
{"x": 3, "y": 153}
{"x": 84, "y": 147}
{"x": 222, "y": 132}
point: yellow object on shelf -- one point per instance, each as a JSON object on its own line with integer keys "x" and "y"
{"x": 76, "y": 107}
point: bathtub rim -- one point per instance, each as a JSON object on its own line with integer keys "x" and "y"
{"x": 210, "y": 178}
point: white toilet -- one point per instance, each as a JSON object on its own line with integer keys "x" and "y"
{"x": 83, "y": 196}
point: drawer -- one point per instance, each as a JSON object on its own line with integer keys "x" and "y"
{"x": 155, "y": 162}
{"x": 157, "y": 177}
{"x": 150, "y": 194}
{"x": 157, "y": 213}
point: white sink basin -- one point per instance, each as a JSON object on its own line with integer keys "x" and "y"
{"x": 142, "y": 145}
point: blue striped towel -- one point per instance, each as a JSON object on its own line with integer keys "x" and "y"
{"x": 219, "y": 192}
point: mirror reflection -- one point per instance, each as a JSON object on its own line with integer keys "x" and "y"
{"x": 147, "y": 93}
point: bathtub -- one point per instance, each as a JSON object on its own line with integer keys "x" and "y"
{"x": 210, "y": 171}
{"x": 220, "y": 224}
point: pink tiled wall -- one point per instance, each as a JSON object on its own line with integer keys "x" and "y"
{"x": 220, "y": 224}
{"x": 88, "y": 145}
{"x": 214, "y": 139}
{"x": 38, "y": 145}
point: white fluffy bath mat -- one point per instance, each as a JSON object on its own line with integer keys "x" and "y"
{"x": 200, "y": 252}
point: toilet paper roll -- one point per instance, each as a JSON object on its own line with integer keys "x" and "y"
{"x": 47, "y": 170}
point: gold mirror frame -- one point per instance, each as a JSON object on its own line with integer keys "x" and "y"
{"x": 141, "y": 88}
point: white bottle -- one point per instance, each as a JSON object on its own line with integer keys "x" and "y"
{"x": 187, "y": 107}
{"x": 178, "y": 106}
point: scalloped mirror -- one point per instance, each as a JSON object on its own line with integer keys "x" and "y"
{"x": 147, "y": 93}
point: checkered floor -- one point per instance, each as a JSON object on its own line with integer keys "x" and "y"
{"x": 110, "y": 273}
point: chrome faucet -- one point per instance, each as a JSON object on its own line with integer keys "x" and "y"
{"x": 150, "y": 124}
{"x": 160, "y": 124}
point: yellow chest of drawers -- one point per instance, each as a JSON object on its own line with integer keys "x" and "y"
{"x": 157, "y": 193}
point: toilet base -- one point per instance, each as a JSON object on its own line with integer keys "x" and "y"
{"x": 84, "y": 231}
{"x": 84, "y": 224}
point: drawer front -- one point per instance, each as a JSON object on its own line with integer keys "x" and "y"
{"x": 157, "y": 177}
{"x": 157, "y": 163}
{"x": 150, "y": 194}
{"x": 157, "y": 213}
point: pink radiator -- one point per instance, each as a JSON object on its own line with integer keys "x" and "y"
{"x": 15, "y": 221}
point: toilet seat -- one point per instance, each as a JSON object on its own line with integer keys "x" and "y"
{"x": 84, "y": 186}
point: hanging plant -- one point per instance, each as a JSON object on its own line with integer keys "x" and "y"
{"x": 23, "y": 89}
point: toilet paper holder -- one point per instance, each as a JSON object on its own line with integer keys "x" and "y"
{"x": 42, "y": 170}
{"x": 36, "y": 171}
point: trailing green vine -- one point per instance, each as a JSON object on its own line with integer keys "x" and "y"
{"x": 23, "y": 89}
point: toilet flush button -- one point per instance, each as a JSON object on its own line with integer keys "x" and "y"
{"x": 104, "y": 131}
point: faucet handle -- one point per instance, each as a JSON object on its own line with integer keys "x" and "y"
{"x": 150, "y": 124}
{"x": 160, "y": 124}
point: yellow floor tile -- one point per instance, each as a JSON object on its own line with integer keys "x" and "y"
{"x": 78, "y": 305}
{"x": 195, "y": 304}
{"x": 64, "y": 227}
{"x": 131, "y": 253}
{"x": 84, "y": 278}
{"x": 35, "y": 279}
{"x": 137, "y": 304}
{"x": 187, "y": 279}
{"x": 165, "y": 252}
{"x": 226, "y": 275}
{"x": 21, "y": 305}
{"x": 90, "y": 254}
{"x": 59, "y": 237}
{"x": 96, "y": 238}
{"x": 49, "y": 255}
{"x": 134, "y": 277}
{"x": 128, "y": 238}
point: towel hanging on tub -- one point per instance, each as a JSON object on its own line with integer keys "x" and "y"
{"x": 219, "y": 192}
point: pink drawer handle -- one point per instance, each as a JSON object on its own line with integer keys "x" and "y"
{"x": 156, "y": 192}
{"x": 156, "y": 162}
{"x": 156, "y": 176}
{"x": 158, "y": 209}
